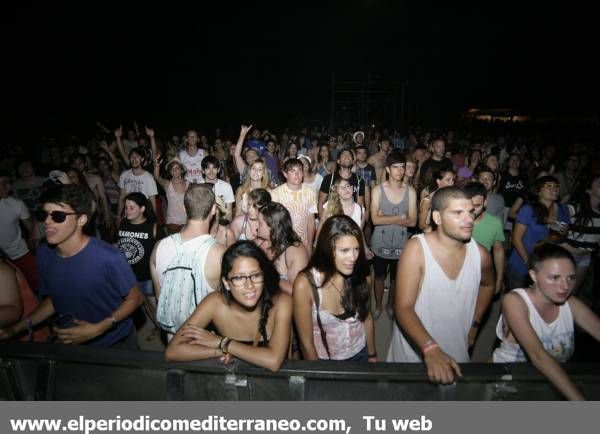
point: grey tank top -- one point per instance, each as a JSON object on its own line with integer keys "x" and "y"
{"x": 387, "y": 241}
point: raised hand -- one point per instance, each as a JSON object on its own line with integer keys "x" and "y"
{"x": 119, "y": 132}
{"x": 149, "y": 132}
{"x": 244, "y": 130}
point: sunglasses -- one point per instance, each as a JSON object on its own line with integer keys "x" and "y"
{"x": 56, "y": 216}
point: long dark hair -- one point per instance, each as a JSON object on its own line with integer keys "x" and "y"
{"x": 282, "y": 233}
{"x": 584, "y": 215}
{"x": 356, "y": 294}
{"x": 540, "y": 211}
{"x": 271, "y": 288}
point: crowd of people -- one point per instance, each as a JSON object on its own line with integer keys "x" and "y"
{"x": 266, "y": 247}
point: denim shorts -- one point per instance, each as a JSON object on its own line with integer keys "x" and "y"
{"x": 147, "y": 288}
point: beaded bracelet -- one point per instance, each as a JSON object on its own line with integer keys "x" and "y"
{"x": 223, "y": 344}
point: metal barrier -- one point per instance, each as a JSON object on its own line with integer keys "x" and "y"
{"x": 60, "y": 372}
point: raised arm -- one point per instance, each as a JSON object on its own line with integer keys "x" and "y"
{"x": 153, "y": 146}
{"x": 116, "y": 166}
{"x": 303, "y": 302}
{"x": 240, "y": 164}
{"x": 441, "y": 368}
{"x": 516, "y": 315}
{"x": 156, "y": 172}
{"x": 121, "y": 146}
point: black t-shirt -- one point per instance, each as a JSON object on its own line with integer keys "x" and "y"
{"x": 511, "y": 187}
{"x": 358, "y": 184}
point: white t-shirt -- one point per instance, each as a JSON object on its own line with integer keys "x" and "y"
{"x": 143, "y": 183}
{"x": 192, "y": 163}
{"x": 11, "y": 241}
{"x": 224, "y": 191}
{"x": 316, "y": 183}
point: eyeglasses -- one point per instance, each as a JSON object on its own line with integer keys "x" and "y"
{"x": 345, "y": 187}
{"x": 241, "y": 280}
{"x": 551, "y": 186}
{"x": 56, "y": 216}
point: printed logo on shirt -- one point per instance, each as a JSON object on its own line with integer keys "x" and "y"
{"x": 132, "y": 249}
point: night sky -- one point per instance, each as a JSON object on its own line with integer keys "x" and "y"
{"x": 67, "y": 66}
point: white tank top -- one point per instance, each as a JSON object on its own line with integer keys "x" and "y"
{"x": 444, "y": 306}
{"x": 557, "y": 337}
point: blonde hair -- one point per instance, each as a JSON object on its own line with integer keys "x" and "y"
{"x": 246, "y": 186}
{"x": 334, "y": 204}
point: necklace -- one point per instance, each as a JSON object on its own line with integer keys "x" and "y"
{"x": 340, "y": 292}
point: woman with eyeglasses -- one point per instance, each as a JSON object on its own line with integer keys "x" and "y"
{"x": 252, "y": 317}
{"x": 341, "y": 201}
{"x": 542, "y": 218}
{"x": 331, "y": 297}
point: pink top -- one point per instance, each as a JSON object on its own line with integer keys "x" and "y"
{"x": 345, "y": 338}
{"x": 175, "y": 210}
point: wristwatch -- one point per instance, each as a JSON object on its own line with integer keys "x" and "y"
{"x": 114, "y": 322}
{"x": 475, "y": 324}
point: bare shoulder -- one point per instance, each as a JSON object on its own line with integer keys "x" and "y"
{"x": 514, "y": 302}
{"x": 302, "y": 287}
{"x": 413, "y": 249}
{"x": 486, "y": 257}
{"x": 283, "y": 300}
{"x": 217, "y": 250}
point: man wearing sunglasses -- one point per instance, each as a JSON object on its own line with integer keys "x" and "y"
{"x": 81, "y": 276}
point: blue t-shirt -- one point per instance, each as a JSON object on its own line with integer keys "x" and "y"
{"x": 91, "y": 285}
{"x": 534, "y": 233}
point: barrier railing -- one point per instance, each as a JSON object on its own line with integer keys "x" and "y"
{"x": 60, "y": 372}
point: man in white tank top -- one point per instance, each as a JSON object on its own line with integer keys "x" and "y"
{"x": 444, "y": 284}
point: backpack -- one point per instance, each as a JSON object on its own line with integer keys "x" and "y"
{"x": 181, "y": 290}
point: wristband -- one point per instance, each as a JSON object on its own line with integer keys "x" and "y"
{"x": 475, "y": 324}
{"x": 429, "y": 345}
{"x": 372, "y": 355}
{"x": 29, "y": 329}
{"x": 223, "y": 344}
